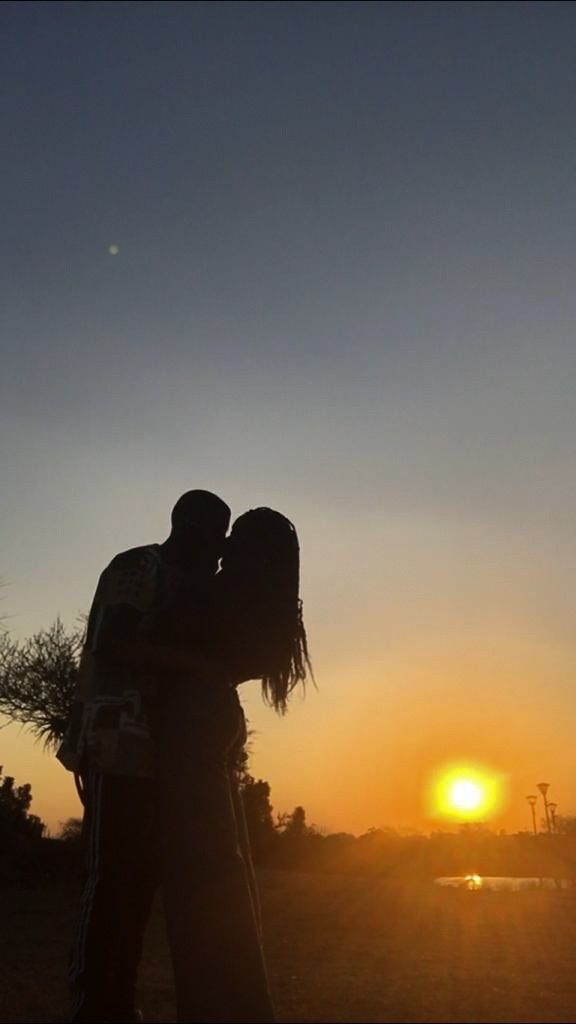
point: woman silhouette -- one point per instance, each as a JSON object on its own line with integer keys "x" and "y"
{"x": 253, "y": 629}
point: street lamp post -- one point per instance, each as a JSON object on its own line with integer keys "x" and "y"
{"x": 544, "y": 787}
{"x": 552, "y": 808}
{"x": 533, "y": 800}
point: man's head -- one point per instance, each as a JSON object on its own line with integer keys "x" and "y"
{"x": 200, "y": 521}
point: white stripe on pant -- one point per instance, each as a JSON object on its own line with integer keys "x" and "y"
{"x": 78, "y": 954}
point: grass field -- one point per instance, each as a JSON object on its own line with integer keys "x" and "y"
{"x": 340, "y": 949}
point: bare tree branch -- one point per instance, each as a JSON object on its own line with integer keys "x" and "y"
{"x": 37, "y": 678}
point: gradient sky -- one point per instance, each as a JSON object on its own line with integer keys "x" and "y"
{"x": 344, "y": 287}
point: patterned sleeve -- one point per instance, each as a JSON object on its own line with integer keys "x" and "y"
{"x": 124, "y": 602}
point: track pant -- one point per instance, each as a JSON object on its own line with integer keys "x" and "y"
{"x": 122, "y": 874}
{"x": 209, "y": 890}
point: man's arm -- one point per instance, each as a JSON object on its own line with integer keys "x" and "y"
{"x": 118, "y": 641}
{"x": 164, "y": 661}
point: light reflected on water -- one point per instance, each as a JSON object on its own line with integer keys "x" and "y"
{"x": 492, "y": 883}
{"x": 473, "y": 882}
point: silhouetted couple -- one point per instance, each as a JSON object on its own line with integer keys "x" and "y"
{"x": 154, "y": 736}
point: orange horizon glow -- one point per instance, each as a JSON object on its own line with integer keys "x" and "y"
{"x": 366, "y": 756}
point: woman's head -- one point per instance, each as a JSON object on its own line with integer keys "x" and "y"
{"x": 262, "y": 561}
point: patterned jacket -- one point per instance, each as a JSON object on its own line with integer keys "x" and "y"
{"x": 112, "y": 722}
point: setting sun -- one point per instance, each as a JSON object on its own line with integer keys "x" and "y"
{"x": 465, "y": 792}
{"x": 466, "y": 795}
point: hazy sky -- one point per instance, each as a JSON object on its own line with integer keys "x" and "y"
{"x": 344, "y": 287}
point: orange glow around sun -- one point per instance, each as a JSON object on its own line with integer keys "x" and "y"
{"x": 465, "y": 793}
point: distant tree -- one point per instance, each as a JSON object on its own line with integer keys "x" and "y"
{"x": 258, "y": 810}
{"x": 71, "y": 830}
{"x": 474, "y": 828}
{"x": 340, "y": 838}
{"x": 37, "y": 678}
{"x": 15, "y": 818}
{"x": 566, "y": 824}
{"x": 293, "y": 826}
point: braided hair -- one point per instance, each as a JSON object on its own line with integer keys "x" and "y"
{"x": 263, "y": 555}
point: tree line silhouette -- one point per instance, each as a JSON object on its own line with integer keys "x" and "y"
{"x": 37, "y": 677}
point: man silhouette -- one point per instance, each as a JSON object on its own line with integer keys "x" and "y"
{"x": 110, "y": 745}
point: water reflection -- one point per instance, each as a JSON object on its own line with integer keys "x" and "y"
{"x": 473, "y": 882}
{"x": 491, "y": 883}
